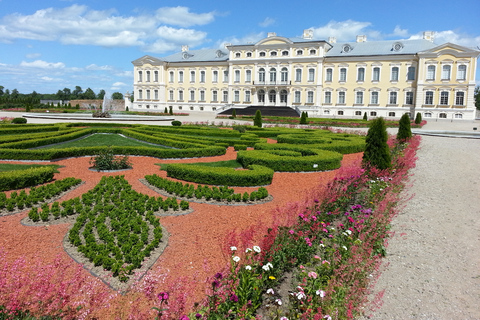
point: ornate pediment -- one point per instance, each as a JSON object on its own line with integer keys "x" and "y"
{"x": 147, "y": 60}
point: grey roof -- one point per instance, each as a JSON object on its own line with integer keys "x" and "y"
{"x": 198, "y": 56}
{"x": 372, "y": 48}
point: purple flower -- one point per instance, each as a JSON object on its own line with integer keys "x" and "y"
{"x": 219, "y": 275}
{"x": 198, "y": 316}
{"x": 184, "y": 317}
{"x": 234, "y": 297}
{"x": 215, "y": 284}
{"x": 163, "y": 296}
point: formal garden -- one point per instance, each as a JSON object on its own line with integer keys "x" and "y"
{"x": 117, "y": 221}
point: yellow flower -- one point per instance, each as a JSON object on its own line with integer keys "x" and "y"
{"x": 271, "y": 277}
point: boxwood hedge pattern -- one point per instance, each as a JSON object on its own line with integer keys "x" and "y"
{"x": 206, "y": 193}
{"x": 254, "y": 175}
{"x": 36, "y": 195}
{"x": 19, "y": 179}
{"x": 115, "y": 227}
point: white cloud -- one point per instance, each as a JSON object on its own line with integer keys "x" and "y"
{"x": 343, "y": 30}
{"x": 95, "y": 67}
{"x": 40, "y": 64}
{"x": 33, "y": 55}
{"x": 267, "y": 22}
{"x": 250, "y": 38}
{"x": 181, "y": 16}
{"x": 47, "y": 78}
{"x": 79, "y": 25}
{"x": 453, "y": 37}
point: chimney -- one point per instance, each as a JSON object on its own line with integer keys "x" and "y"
{"x": 332, "y": 40}
{"x": 428, "y": 35}
{"x": 184, "y": 48}
{"x": 308, "y": 34}
{"x": 362, "y": 38}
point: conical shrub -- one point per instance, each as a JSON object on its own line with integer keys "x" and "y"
{"x": 377, "y": 152}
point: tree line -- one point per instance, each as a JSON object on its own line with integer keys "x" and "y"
{"x": 65, "y": 94}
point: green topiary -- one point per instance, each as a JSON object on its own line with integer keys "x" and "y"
{"x": 303, "y": 118}
{"x": 377, "y": 152}
{"x": 257, "y": 121}
{"x": 171, "y": 110}
{"x": 165, "y": 111}
{"x": 365, "y": 116}
{"x": 404, "y": 130}
{"x": 418, "y": 118}
{"x": 234, "y": 113}
{"x": 19, "y": 120}
{"x": 176, "y": 123}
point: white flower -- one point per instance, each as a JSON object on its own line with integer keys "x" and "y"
{"x": 266, "y": 267}
{"x": 322, "y": 245}
{"x": 348, "y": 231}
{"x": 248, "y": 267}
{"x": 236, "y": 258}
{"x": 332, "y": 228}
{"x": 315, "y": 165}
{"x": 270, "y": 291}
{"x": 327, "y": 317}
{"x": 283, "y": 318}
{"x": 278, "y": 301}
{"x": 233, "y": 248}
{"x": 248, "y": 250}
{"x": 301, "y": 295}
{"x": 345, "y": 248}
{"x": 320, "y": 293}
{"x": 257, "y": 249}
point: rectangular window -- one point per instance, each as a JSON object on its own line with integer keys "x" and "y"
{"x": 247, "y": 96}
{"x": 459, "y": 98}
{"x": 155, "y": 76}
{"x": 171, "y": 76}
{"x": 248, "y": 75}
{"x": 329, "y": 75}
{"x": 462, "y": 72}
{"x": 444, "y": 98}
{"x": 374, "y": 97}
{"x": 393, "y": 98}
{"x": 180, "y": 76}
{"x": 409, "y": 97}
{"x": 192, "y": 76}
{"x": 148, "y": 76}
{"x": 310, "y": 97}
{"x": 376, "y": 74}
{"x": 311, "y": 74}
{"x": 328, "y": 97}
{"x": 192, "y": 95}
{"x": 225, "y": 96}
{"x": 215, "y": 76}
{"x": 156, "y": 94}
{"x": 236, "y": 96}
{"x": 140, "y": 76}
{"x": 148, "y": 94}
{"x": 237, "y": 75}
{"x": 298, "y": 75}
{"x": 140, "y": 94}
{"x": 341, "y": 97}
{"x": 394, "y": 76}
{"x": 202, "y": 76}
{"x": 446, "y": 72}
{"x": 170, "y": 95}
{"x": 429, "y": 97}
{"x": 202, "y": 95}
{"x": 180, "y": 95}
{"x": 359, "y": 97}
{"x": 411, "y": 73}
{"x": 297, "y": 96}
{"x": 343, "y": 74}
{"x": 431, "y": 73}
{"x": 214, "y": 96}
{"x": 225, "y": 76}
{"x": 361, "y": 74}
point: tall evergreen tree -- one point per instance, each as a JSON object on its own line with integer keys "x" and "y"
{"x": 234, "y": 113}
{"x": 404, "y": 128}
{"x": 418, "y": 118}
{"x": 365, "y": 116}
{"x": 257, "y": 121}
{"x": 377, "y": 152}
{"x": 303, "y": 118}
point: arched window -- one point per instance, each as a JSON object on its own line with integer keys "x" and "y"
{"x": 284, "y": 75}
{"x": 148, "y": 76}
{"x": 459, "y": 98}
{"x": 462, "y": 72}
{"x": 273, "y": 75}
{"x": 272, "y": 96}
{"x": 431, "y": 73}
{"x": 262, "y": 54}
{"x": 261, "y": 95}
{"x": 446, "y": 72}
{"x": 261, "y": 75}
{"x": 283, "y": 96}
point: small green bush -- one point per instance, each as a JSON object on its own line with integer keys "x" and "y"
{"x": 418, "y": 118}
{"x": 303, "y": 118}
{"x": 377, "y": 153}
{"x": 106, "y": 160}
{"x": 176, "y": 123}
{"x": 19, "y": 120}
{"x": 404, "y": 128}
{"x": 257, "y": 121}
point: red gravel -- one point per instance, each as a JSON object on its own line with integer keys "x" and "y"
{"x": 195, "y": 238}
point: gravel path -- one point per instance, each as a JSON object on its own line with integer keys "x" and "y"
{"x": 432, "y": 268}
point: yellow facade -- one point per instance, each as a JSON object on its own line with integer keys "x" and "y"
{"x": 327, "y": 79}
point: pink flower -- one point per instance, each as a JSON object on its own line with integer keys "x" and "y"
{"x": 312, "y": 275}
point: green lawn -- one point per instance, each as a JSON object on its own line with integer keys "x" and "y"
{"x": 96, "y": 140}
{"x": 12, "y": 167}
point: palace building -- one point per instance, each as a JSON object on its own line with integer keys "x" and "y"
{"x": 323, "y": 77}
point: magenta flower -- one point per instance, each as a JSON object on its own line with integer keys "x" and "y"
{"x": 163, "y": 296}
{"x": 234, "y": 297}
{"x": 218, "y": 275}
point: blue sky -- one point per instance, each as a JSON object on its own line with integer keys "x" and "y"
{"x": 48, "y": 45}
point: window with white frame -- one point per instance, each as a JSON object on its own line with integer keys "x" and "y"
{"x": 373, "y": 113}
{"x": 180, "y": 95}
{"x": 297, "y": 96}
{"x": 328, "y": 97}
{"x": 459, "y": 98}
{"x": 394, "y": 75}
{"x": 411, "y": 73}
{"x": 272, "y": 96}
{"x": 298, "y": 75}
{"x": 391, "y": 114}
{"x": 392, "y": 97}
{"x": 225, "y": 96}
{"x": 329, "y": 74}
{"x": 462, "y": 72}
{"x": 361, "y": 74}
{"x": 215, "y": 76}
{"x": 431, "y": 72}
{"x": 202, "y": 95}
{"x": 248, "y": 75}
{"x": 171, "y": 76}
{"x": 343, "y": 75}
{"x": 155, "y": 76}
{"x": 446, "y": 69}
{"x": 444, "y": 98}
{"x": 192, "y": 95}
{"x": 427, "y": 115}
{"x": 155, "y": 94}
{"x": 249, "y": 54}
{"x": 299, "y": 52}
{"x": 429, "y": 97}
{"x": 359, "y": 97}
{"x": 273, "y": 53}
{"x": 273, "y": 75}
{"x": 261, "y": 75}
{"x": 458, "y": 115}
{"x": 192, "y": 76}
{"x": 247, "y": 96}
{"x": 310, "y": 97}
{"x": 341, "y": 97}
{"x": 284, "y": 75}
{"x": 237, "y": 75}
{"x": 374, "y": 97}
{"x": 262, "y": 54}
{"x": 170, "y": 95}
{"x": 376, "y": 74}
{"x": 215, "y": 95}
{"x": 140, "y": 94}
{"x": 358, "y": 113}
{"x": 283, "y": 96}
{"x": 237, "y": 55}
{"x": 340, "y": 112}
{"x": 285, "y": 53}
{"x": 442, "y": 115}
{"x": 180, "y": 76}
{"x": 148, "y": 76}
{"x": 409, "y": 97}
{"x": 313, "y": 52}
{"x": 326, "y": 111}
{"x": 148, "y": 94}
{"x": 236, "y": 96}
{"x": 261, "y": 95}
{"x": 225, "y": 75}
{"x": 202, "y": 76}
{"x": 140, "y": 76}
{"x": 311, "y": 74}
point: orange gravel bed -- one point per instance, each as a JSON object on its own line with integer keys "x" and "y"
{"x": 196, "y": 239}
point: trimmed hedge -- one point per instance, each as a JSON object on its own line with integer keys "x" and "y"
{"x": 342, "y": 143}
{"x": 255, "y": 175}
{"x": 19, "y": 179}
{"x": 27, "y": 129}
{"x": 311, "y": 159}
